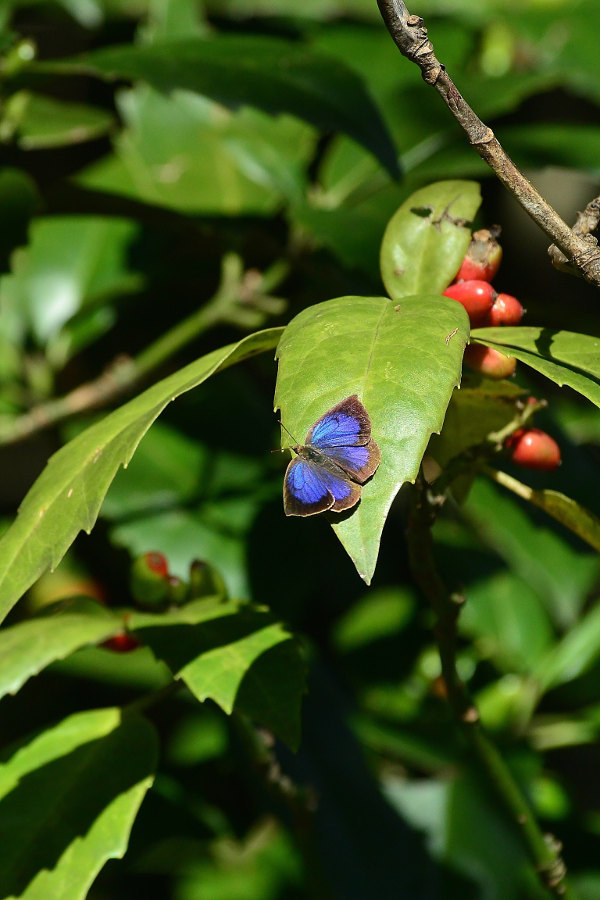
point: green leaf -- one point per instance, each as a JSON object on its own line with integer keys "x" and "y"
{"x": 270, "y": 73}
{"x": 248, "y": 161}
{"x": 69, "y": 262}
{"x": 479, "y": 408}
{"x": 67, "y": 496}
{"x": 402, "y": 360}
{"x": 427, "y": 238}
{"x": 18, "y": 201}
{"x": 235, "y": 654}
{"x": 564, "y": 357}
{"x": 44, "y": 122}
{"x": 575, "y": 654}
{"x": 508, "y": 620}
{"x": 560, "y": 575}
{"x": 566, "y": 511}
{"x": 68, "y": 800}
{"x": 28, "y": 647}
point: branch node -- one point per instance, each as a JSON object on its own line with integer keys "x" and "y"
{"x": 486, "y": 137}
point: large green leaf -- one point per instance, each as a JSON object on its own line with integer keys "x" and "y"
{"x": 28, "y": 647}
{"x": 67, "y": 496}
{"x": 235, "y": 654}
{"x": 68, "y": 800}
{"x": 564, "y": 357}
{"x": 426, "y": 239}
{"x": 270, "y": 73}
{"x": 402, "y": 360}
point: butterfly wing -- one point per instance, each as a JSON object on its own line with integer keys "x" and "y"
{"x": 358, "y": 462}
{"x": 346, "y": 424}
{"x": 309, "y": 488}
{"x": 343, "y": 434}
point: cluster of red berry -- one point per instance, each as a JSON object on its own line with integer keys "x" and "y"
{"x": 472, "y": 288}
{"x": 528, "y": 447}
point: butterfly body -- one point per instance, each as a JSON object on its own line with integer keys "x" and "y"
{"x": 337, "y": 456}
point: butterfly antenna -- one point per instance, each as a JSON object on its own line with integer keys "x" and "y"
{"x": 282, "y": 449}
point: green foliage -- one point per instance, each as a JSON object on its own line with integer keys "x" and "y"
{"x": 67, "y": 496}
{"x": 174, "y": 176}
{"x": 236, "y": 655}
{"x": 289, "y": 79}
{"x": 28, "y": 647}
{"x": 374, "y": 348}
{"x": 434, "y": 223}
{"x": 82, "y": 783}
{"x": 563, "y": 357}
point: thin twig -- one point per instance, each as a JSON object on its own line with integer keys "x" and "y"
{"x": 242, "y": 299}
{"x": 543, "y": 850}
{"x": 410, "y": 36}
{"x": 300, "y": 801}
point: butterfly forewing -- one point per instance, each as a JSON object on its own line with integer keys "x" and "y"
{"x": 347, "y": 424}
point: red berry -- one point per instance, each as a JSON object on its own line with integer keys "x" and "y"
{"x": 121, "y": 643}
{"x": 477, "y": 298}
{"x": 157, "y": 562}
{"x": 506, "y": 310}
{"x": 533, "y": 449}
{"x": 149, "y": 580}
{"x": 489, "y": 362}
{"x": 482, "y": 259}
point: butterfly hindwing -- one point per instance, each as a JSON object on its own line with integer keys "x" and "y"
{"x": 358, "y": 462}
{"x": 310, "y": 488}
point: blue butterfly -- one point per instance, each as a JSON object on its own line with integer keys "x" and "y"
{"x": 337, "y": 453}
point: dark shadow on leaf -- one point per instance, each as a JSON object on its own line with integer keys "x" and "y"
{"x": 179, "y": 645}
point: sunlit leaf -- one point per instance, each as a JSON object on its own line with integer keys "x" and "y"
{"x": 68, "y": 799}
{"x": 562, "y": 356}
{"x": 403, "y": 360}
{"x": 28, "y": 647}
{"x": 67, "y": 496}
{"x": 235, "y": 654}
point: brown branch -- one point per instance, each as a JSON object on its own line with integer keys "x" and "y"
{"x": 410, "y": 36}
